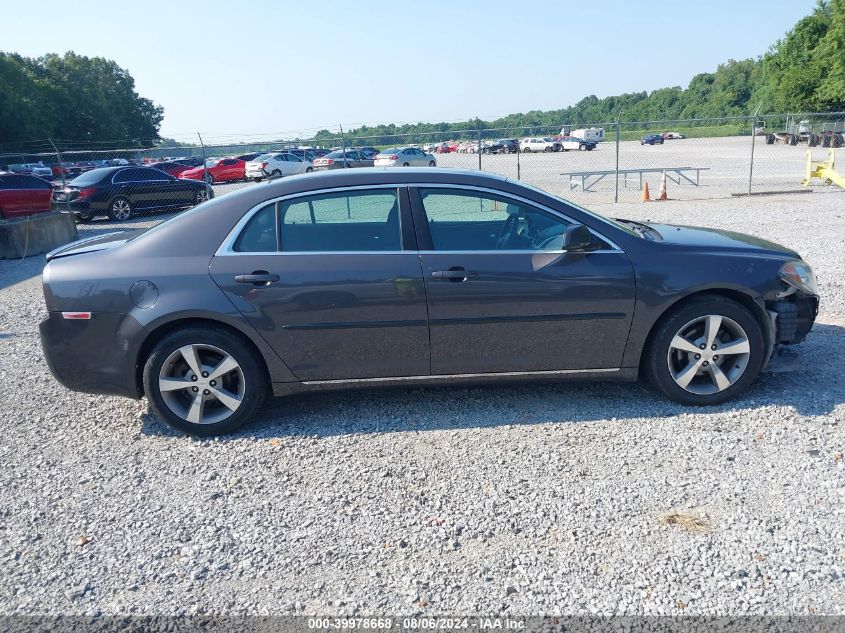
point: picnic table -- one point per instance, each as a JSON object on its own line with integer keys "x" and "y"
{"x": 590, "y": 179}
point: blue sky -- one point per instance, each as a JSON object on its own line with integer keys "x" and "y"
{"x": 233, "y": 69}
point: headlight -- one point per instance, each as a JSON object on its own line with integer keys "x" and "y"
{"x": 799, "y": 275}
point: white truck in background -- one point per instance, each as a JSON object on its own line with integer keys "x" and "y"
{"x": 595, "y": 134}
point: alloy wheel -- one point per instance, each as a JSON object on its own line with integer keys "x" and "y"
{"x": 708, "y": 354}
{"x": 202, "y": 196}
{"x": 202, "y": 384}
{"x": 121, "y": 209}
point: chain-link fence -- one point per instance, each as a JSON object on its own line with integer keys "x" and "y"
{"x": 599, "y": 162}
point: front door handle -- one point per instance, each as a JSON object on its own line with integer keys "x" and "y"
{"x": 455, "y": 274}
{"x": 257, "y": 277}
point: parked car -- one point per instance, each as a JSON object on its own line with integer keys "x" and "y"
{"x": 276, "y": 166}
{"x": 508, "y": 145}
{"x": 404, "y": 157}
{"x": 66, "y": 170}
{"x": 341, "y": 159}
{"x": 250, "y": 156}
{"x": 31, "y": 169}
{"x": 535, "y": 144}
{"x": 360, "y": 278}
{"x": 366, "y": 152}
{"x": 171, "y": 167}
{"x": 22, "y": 195}
{"x": 217, "y": 170}
{"x": 652, "y": 139}
{"x": 191, "y": 161}
{"x": 672, "y": 135}
{"x": 120, "y": 192}
{"x": 571, "y": 142}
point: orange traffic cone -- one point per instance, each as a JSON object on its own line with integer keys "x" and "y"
{"x": 663, "y": 195}
{"x": 646, "y": 196}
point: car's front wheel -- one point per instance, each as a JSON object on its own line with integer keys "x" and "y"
{"x": 200, "y": 196}
{"x": 120, "y": 209}
{"x": 705, "y": 352}
{"x": 431, "y": 163}
{"x": 205, "y": 380}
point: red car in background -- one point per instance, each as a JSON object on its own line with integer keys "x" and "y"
{"x": 173, "y": 168}
{"x": 217, "y": 170}
{"x": 22, "y": 195}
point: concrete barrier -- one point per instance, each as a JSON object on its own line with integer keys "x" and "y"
{"x": 35, "y": 234}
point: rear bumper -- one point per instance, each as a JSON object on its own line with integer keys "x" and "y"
{"x": 94, "y": 356}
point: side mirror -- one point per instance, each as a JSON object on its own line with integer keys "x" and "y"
{"x": 578, "y": 238}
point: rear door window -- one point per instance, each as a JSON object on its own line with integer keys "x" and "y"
{"x": 350, "y": 221}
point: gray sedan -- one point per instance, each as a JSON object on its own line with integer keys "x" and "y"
{"x": 405, "y": 157}
{"x": 340, "y": 159}
{"x": 370, "y": 277}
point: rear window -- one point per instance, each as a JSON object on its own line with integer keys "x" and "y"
{"x": 90, "y": 177}
{"x": 23, "y": 182}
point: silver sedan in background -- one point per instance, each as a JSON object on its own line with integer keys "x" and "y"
{"x": 405, "y": 157}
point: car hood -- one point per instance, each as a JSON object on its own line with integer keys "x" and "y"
{"x": 719, "y": 239}
{"x": 91, "y": 244}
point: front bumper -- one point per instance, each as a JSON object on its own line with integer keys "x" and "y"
{"x": 793, "y": 318}
{"x": 94, "y": 356}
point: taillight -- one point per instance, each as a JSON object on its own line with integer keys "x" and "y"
{"x": 328, "y": 161}
{"x": 263, "y": 165}
{"x": 88, "y": 191}
{"x": 76, "y": 316}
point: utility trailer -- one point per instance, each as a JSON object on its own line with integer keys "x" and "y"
{"x": 824, "y": 135}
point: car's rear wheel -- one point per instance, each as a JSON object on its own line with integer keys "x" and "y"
{"x": 705, "y": 352}
{"x": 204, "y": 381}
{"x": 275, "y": 173}
{"x": 583, "y": 148}
{"x": 431, "y": 163}
{"x": 308, "y": 170}
{"x": 527, "y": 150}
{"x": 120, "y": 209}
{"x": 405, "y": 165}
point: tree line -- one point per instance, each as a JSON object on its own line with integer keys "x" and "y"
{"x": 74, "y": 100}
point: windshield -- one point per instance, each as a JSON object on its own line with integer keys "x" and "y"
{"x": 90, "y": 177}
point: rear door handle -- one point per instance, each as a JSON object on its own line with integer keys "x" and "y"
{"x": 257, "y": 277}
{"x": 453, "y": 274}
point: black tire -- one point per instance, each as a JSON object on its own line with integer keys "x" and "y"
{"x": 770, "y": 139}
{"x": 406, "y": 164}
{"x": 527, "y": 150}
{"x": 548, "y": 149}
{"x": 656, "y": 357}
{"x": 200, "y": 196}
{"x": 121, "y": 209}
{"x": 813, "y": 140}
{"x": 209, "y": 178}
{"x": 275, "y": 174}
{"x": 308, "y": 170}
{"x": 255, "y": 380}
{"x": 431, "y": 163}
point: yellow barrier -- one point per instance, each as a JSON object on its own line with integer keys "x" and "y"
{"x": 823, "y": 169}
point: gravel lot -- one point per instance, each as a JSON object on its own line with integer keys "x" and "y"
{"x": 532, "y": 499}
{"x": 725, "y": 162}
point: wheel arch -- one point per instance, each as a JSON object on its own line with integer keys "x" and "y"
{"x": 163, "y": 329}
{"x": 745, "y": 299}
